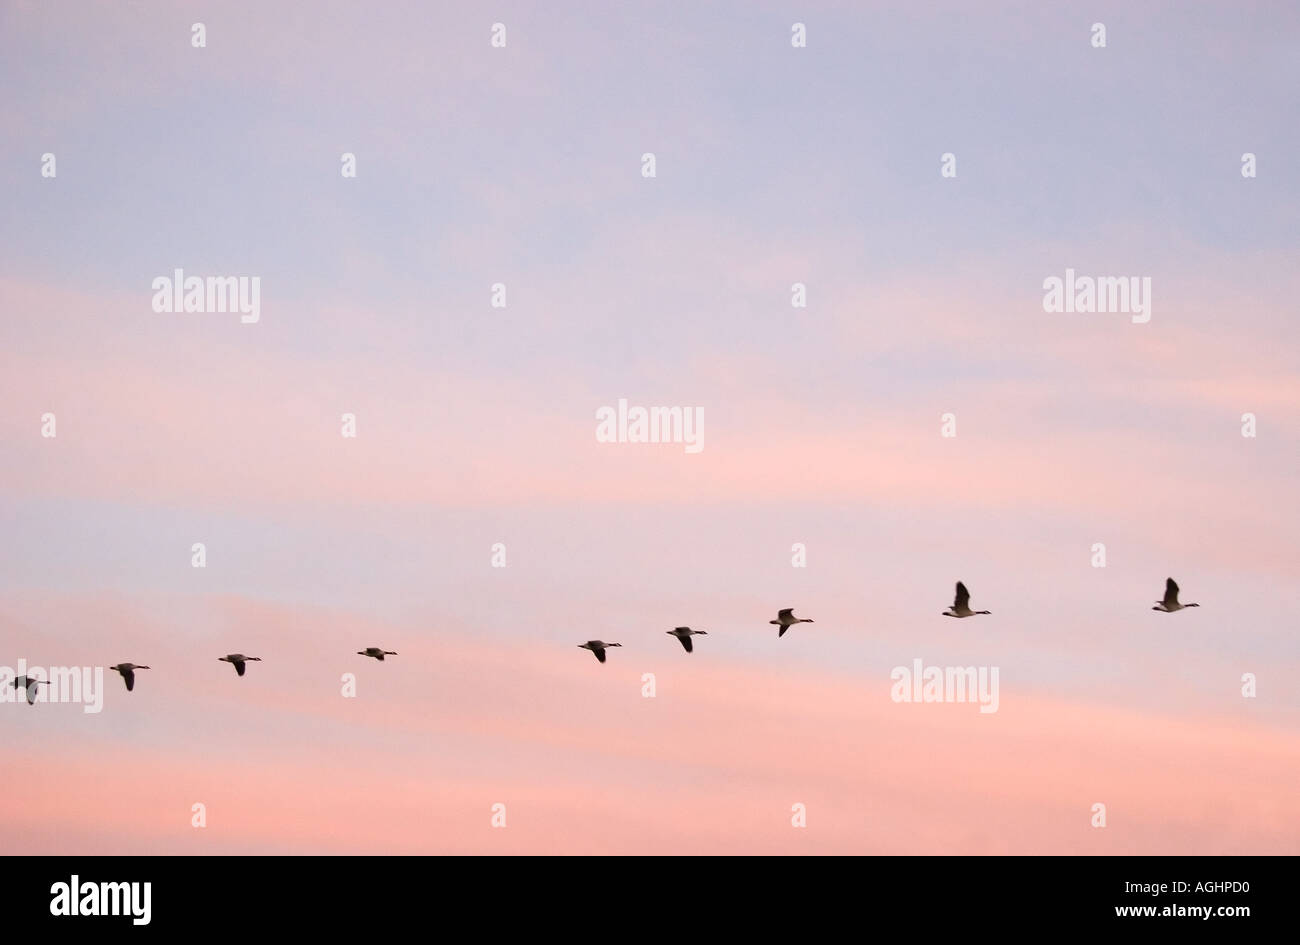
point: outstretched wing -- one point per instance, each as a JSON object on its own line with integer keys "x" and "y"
{"x": 686, "y": 642}
{"x": 1171, "y": 591}
{"x": 129, "y": 676}
{"x": 784, "y": 628}
{"x": 239, "y": 667}
{"x": 785, "y": 614}
{"x": 600, "y": 653}
{"x": 962, "y": 598}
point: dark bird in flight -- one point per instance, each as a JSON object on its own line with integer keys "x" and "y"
{"x": 26, "y": 682}
{"x": 961, "y": 604}
{"x": 785, "y": 619}
{"x": 1170, "y": 603}
{"x": 238, "y": 660}
{"x": 684, "y": 635}
{"x": 376, "y": 652}
{"x": 128, "y": 673}
{"x": 597, "y": 647}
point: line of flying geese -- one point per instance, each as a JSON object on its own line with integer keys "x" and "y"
{"x": 785, "y": 619}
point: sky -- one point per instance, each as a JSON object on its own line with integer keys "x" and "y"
{"x": 476, "y": 426}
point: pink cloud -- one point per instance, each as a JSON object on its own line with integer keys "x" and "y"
{"x": 583, "y": 763}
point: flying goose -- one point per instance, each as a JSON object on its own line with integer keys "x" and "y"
{"x": 961, "y": 604}
{"x": 684, "y": 635}
{"x": 26, "y": 682}
{"x": 238, "y": 660}
{"x": 598, "y": 647}
{"x": 785, "y": 619}
{"x": 128, "y": 673}
{"x": 376, "y": 652}
{"x": 1170, "y": 603}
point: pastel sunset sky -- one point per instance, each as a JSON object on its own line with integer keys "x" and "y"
{"x": 476, "y": 425}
